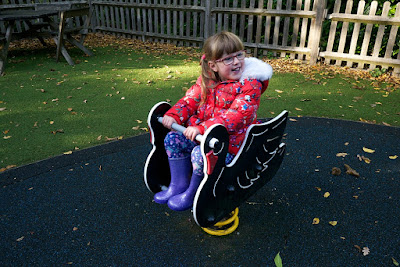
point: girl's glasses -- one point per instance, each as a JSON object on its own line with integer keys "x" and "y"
{"x": 228, "y": 60}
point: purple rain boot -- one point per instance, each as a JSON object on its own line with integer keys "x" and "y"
{"x": 184, "y": 201}
{"x": 180, "y": 171}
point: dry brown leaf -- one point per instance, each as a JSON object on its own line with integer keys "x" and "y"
{"x": 336, "y": 171}
{"x": 57, "y": 131}
{"x": 351, "y": 171}
{"x": 358, "y": 248}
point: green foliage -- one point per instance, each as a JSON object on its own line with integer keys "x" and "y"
{"x": 378, "y": 72}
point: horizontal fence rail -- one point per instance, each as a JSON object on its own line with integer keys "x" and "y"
{"x": 363, "y": 36}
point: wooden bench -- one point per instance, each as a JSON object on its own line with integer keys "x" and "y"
{"x": 68, "y": 27}
{"x": 62, "y": 23}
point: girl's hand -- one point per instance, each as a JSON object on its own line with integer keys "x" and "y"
{"x": 167, "y": 121}
{"x": 191, "y": 133}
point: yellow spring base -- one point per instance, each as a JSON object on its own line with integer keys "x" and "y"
{"x": 220, "y": 229}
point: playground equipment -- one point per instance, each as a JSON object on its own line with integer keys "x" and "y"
{"x": 224, "y": 187}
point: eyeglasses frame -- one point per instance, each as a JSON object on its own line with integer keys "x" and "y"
{"x": 230, "y": 55}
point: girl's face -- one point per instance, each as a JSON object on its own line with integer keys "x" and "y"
{"x": 229, "y": 67}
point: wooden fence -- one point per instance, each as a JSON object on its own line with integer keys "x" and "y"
{"x": 297, "y": 29}
{"x": 373, "y": 52}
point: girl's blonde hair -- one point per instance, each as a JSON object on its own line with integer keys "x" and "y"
{"x": 214, "y": 48}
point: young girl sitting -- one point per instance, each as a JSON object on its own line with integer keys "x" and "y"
{"x": 228, "y": 93}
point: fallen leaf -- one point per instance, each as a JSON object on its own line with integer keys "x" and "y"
{"x": 298, "y": 109}
{"x": 279, "y": 91}
{"x": 315, "y": 221}
{"x": 278, "y": 260}
{"x": 136, "y": 128}
{"x": 2, "y": 109}
{"x": 358, "y": 248}
{"x": 393, "y": 157}
{"x": 351, "y": 171}
{"x": 342, "y": 154}
{"x": 68, "y": 153}
{"x": 368, "y": 150}
{"x": 327, "y": 194}
{"x": 365, "y": 251}
{"x": 7, "y": 168}
{"x": 7, "y": 137}
{"x": 366, "y": 160}
{"x": 57, "y": 131}
{"x": 75, "y": 229}
{"x": 333, "y": 223}
{"x": 139, "y": 121}
{"x": 20, "y": 239}
{"x": 336, "y": 171}
{"x": 292, "y": 119}
{"x": 395, "y": 262}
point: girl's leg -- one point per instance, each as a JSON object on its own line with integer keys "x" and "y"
{"x": 178, "y": 149}
{"x": 185, "y": 200}
{"x": 177, "y": 145}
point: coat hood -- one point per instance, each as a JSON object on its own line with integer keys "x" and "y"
{"x": 256, "y": 69}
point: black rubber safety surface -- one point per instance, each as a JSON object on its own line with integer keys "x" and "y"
{"x": 92, "y": 207}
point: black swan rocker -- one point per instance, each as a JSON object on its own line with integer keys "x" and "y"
{"x": 224, "y": 187}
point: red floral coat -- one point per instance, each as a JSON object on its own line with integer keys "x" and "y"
{"x": 233, "y": 104}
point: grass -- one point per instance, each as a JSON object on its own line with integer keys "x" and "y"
{"x": 50, "y": 108}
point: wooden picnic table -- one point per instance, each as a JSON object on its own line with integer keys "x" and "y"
{"x": 48, "y": 28}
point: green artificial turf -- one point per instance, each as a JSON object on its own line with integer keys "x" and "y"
{"x": 50, "y": 108}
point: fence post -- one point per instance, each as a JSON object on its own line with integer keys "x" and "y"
{"x": 316, "y": 29}
{"x": 209, "y": 19}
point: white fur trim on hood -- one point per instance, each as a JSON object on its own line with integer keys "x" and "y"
{"x": 256, "y": 69}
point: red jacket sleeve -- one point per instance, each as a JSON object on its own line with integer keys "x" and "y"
{"x": 187, "y": 105}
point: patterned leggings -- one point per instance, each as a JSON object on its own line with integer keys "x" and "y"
{"x": 178, "y": 146}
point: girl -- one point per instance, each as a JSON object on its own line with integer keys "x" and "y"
{"x": 228, "y": 93}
